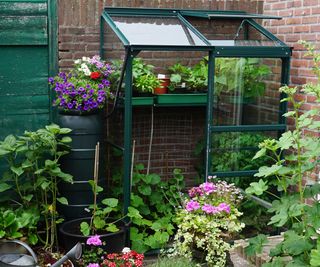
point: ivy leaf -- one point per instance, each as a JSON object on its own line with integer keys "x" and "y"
{"x": 112, "y": 228}
{"x": 99, "y": 223}
{"x": 295, "y": 244}
{"x": 256, "y": 245}
{"x": 85, "y": 228}
{"x": 145, "y": 190}
{"x": 155, "y": 178}
{"x": 4, "y": 187}
{"x": 257, "y": 188}
{"x": 136, "y": 201}
{"x": 134, "y": 213}
{"x": 17, "y": 170}
{"x": 65, "y": 130}
{"x": 66, "y": 139}
{"x": 265, "y": 171}
{"x": 63, "y": 200}
{"x": 111, "y": 202}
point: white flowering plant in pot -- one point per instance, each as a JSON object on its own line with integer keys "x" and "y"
{"x": 207, "y": 221}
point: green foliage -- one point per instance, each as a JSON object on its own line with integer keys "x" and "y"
{"x": 144, "y": 79}
{"x": 152, "y": 210}
{"x": 295, "y": 154}
{"x": 256, "y": 244}
{"x": 100, "y": 219}
{"x": 33, "y": 174}
{"x": 18, "y": 223}
{"x": 191, "y": 78}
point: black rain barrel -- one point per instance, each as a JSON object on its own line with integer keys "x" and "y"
{"x": 87, "y": 130}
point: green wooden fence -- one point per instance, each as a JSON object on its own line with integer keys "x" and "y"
{"x": 28, "y": 56}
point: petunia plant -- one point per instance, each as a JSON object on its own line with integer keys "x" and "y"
{"x": 207, "y": 221}
{"x": 85, "y": 88}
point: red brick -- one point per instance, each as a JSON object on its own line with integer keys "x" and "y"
{"x": 304, "y": 28}
{"x": 310, "y": 2}
{"x": 302, "y": 12}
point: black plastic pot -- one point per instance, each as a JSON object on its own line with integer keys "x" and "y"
{"x": 87, "y": 130}
{"x": 70, "y": 235}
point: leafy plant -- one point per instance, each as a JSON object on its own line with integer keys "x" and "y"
{"x": 34, "y": 172}
{"x": 207, "y": 221}
{"x": 19, "y": 223}
{"x": 152, "y": 210}
{"x": 295, "y": 154}
{"x": 144, "y": 79}
{"x": 179, "y": 76}
{"x": 100, "y": 214}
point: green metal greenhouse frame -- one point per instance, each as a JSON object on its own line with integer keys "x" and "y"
{"x": 276, "y": 49}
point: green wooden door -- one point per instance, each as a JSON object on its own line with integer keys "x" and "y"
{"x": 27, "y": 58}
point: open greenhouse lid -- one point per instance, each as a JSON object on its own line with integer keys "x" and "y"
{"x": 171, "y": 29}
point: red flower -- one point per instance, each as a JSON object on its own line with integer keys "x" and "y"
{"x": 95, "y": 75}
{"x": 112, "y": 264}
{"x": 138, "y": 263}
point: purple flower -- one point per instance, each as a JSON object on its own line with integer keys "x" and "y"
{"x": 100, "y": 99}
{"x": 224, "y": 207}
{"x": 192, "y": 205}
{"x": 93, "y": 265}
{"x": 208, "y": 187}
{"x": 51, "y": 80}
{"x": 94, "y": 240}
{"x": 70, "y": 105}
{"x": 210, "y": 209}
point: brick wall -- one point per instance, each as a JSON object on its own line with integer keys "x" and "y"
{"x": 301, "y": 21}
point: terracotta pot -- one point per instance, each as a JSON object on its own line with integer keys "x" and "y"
{"x": 165, "y": 82}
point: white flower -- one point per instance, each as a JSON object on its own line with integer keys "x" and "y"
{"x": 126, "y": 250}
{"x": 86, "y": 59}
{"x": 77, "y": 61}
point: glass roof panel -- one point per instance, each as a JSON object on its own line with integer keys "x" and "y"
{"x": 143, "y": 30}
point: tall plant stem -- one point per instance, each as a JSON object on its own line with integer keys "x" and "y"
{"x": 95, "y": 179}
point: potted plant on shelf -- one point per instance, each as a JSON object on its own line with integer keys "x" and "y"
{"x": 164, "y": 84}
{"x": 207, "y": 222}
{"x": 144, "y": 79}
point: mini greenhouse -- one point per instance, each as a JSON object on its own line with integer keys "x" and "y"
{"x": 245, "y": 64}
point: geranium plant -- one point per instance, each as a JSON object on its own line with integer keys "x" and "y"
{"x": 207, "y": 221}
{"x": 86, "y": 87}
{"x": 126, "y": 258}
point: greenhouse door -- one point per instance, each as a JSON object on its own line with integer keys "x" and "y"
{"x": 28, "y": 55}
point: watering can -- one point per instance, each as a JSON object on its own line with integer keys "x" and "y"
{"x": 13, "y": 253}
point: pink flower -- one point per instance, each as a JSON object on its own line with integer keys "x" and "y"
{"x": 210, "y": 209}
{"x": 195, "y": 191}
{"x": 93, "y": 265}
{"x": 94, "y": 240}
{"x": 208, "y": 187}
{"x": 192, "y": 205}
{"x": 224, "y": 207}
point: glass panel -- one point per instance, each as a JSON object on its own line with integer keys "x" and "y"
{"x": 221, "y": 32}
{"x": 246, "y": 91}
{"x": 156, "y": 31}
{"x": 233, "y": 151}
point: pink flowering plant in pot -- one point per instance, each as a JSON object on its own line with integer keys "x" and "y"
{"x": 207, "y": 221}
{"x": 85, "y": 87}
